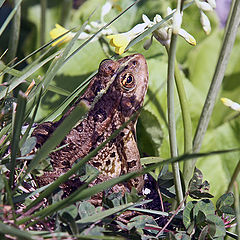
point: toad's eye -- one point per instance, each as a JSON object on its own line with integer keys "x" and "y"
{"x": 128, "y": 82}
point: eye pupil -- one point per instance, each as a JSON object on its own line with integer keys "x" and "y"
{"x": 128, "y": 82}
{"x": 129, "y": 79}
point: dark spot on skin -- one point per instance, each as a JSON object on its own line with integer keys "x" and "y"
{"x": 112, "y": 155}
{"x": 108, "y": 162}
{"x": 96, "y": 164}
{"x": 107, "y": 67}
{"x": 131, "y": 164}
{"x": 79, "y": 128}
{"x": 110, "y": 144}
{"x": 111, "y": 70}
{"x": 122, "y": 134}
{"x": 100, "y": 115}
{"x": 132, "y": 99}
{"x": 96, "y": 88}
{"x": 100, "y": 138}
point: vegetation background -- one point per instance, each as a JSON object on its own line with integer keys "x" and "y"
{"x": 197, "y": 65}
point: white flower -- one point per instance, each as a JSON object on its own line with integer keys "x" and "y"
{"x": 146, "y": 191}
{"x": 163, "y": 34}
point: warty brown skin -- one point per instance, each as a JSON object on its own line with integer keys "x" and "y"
{"x": 125, "y": 95}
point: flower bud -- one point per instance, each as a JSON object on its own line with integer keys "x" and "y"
{"x": 229, "y": 103}
{"x": 212, "y": 3}
{"x": 188, "y": 37}
{"x": 177, "y": 22}
{"x": 204, "y": 5}
{"x": 106, "y": 8}
{"x": 205, "y": 22}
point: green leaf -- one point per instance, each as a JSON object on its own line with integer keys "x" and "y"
{"x": 227, "y": 210}
{"x": 182, "y": 236}
{"x": 166, "y": 184}
{"x": 28, "y": 146}
{"x": 204, "y": 233}
{"x": 226, "y": 199}
{"x": 89, "y": 171}
{"x": 71, "y": 210}
{"x": 219, "y": 225}
{"x": 149, "y": 134}
{"x": 86, "y": 209}
{"x": 205, "y": 205}
{"x": 197, "y": 188}
{"x": 68, "y": 216}
{"x": 100, "y": 215}
{"x": 224, "y": 204}
{"x": 139, "y": 222}
{"x": 188, "y": 213}
{"x": 149, "y": 211}
{"x": 94, "y": 232}
{"x": 113, "y": 200}
{"x": 200, "y": 218}
{"x": 1, "y": 2}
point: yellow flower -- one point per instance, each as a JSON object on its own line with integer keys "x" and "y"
{"x": 120, "y": 42}
{"x": 229, "y": 103}
{"x": 58, "y": 31}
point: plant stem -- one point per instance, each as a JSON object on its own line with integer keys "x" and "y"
{"x": 234, "y": 177}
{"x": 187, "y": 124}
{"x": 171, "y": 117}
{"x": 236, "y": 206}
{"x": 65, "y": 11}
{"x": 15, "y": 31}
{"x": 43, "y": 21}
{"x": 227, "y": 46}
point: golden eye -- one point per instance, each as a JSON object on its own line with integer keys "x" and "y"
{"x": 128, "y": 82}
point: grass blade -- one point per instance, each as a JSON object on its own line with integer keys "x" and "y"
{"x": 1, "y": 2}
{"x": 57, "y": 112}
{"x": 57, "y": 136}
{"x": 25, "y": 135}
{"x": 14, "y": 34}
{"x": 9, "y": 230}
{"x": 10, "y": 16}
{"x": 100, "y": 215}
{"x": 227, "y": 45}
{"x": 18, "y": 121}
{"x": 16, "y": 81}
